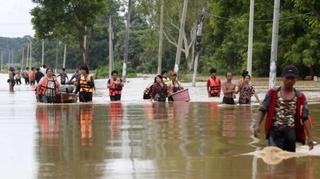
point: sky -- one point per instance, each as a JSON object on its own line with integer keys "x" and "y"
{"x": 15, "y": 18}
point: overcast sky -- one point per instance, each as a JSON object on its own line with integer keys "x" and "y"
{"x": 15, "y": 18}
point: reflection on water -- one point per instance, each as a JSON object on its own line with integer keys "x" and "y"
{"x": 115, "y": 116}
{"x": 156, "y": 140}
{"x": 293, "y": 169}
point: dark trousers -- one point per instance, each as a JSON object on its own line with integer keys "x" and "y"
{"x": 115, "y": 97}
{"x": 283, "y": 137}
{"x": 227, "y": 100}
{"x": 26, "y": 81}
{"x": 85, "y": 96}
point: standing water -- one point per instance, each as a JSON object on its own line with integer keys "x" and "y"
{"x": 135, "y": 139}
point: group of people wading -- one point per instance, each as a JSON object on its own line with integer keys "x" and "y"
{"x": 244, "y": 88}
{"x": 163, "y": 87}
{"x": 48, "y": 88}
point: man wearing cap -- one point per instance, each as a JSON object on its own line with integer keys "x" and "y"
{"x": 287, "y": 119}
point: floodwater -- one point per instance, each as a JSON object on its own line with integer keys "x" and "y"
{"x": 135, "y": 139}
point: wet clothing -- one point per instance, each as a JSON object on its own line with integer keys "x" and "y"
{"x": 159, "y": 93}
{"x": 63, "y": 78}
{"x": 115, "y": 90}
{"x": 285, "y": 112}
{"x": 228, "y": 100}
{"x": 11, "y": 80}
{"x": 115, "y": 98}
{"x": 283, "y": 137}
{"x": 48, "y": 89}
{"x": 246, "y": 92}
{"x": 38, "y": 76}
{"x": 280, "y": 115}
{"x": 85, "y": 97}
{"x": 214, "y": 85}
{"x": 75, "y": 76}
{"x": 175, "y": 86}
{"x": 18, "y": 78}
{"x": 26, "y": 77}
{"x": 85, "y": 87}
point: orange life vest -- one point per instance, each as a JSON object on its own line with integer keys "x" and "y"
{"x": 215, "y": 86}
{"x": 43, "y": 85}
{"x": 85, "y": 84}
{"x": 115, "y": 89}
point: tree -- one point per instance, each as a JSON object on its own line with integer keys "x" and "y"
{"x": 67, "y": 19}
{"x": 313, "y": 8}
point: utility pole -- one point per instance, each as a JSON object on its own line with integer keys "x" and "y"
{"x": 250, "y": 38}
{"x": 64, "y": 56}
{"x": 160, "y": 38}
{"x": 110, "y": 46}
{"x": 12, "y": 56}
{"x": 274, "y": 45}
{"x": 22, "y": 58}
{"x": 181, "y": 31}
{"x": 126, "y": 44}
{"x": 1, "y": 61}
{"x": 42, "y": 55}
{"x": 197, "y": 44}
{"x": 30, "y": 60}
{"x": 27, "y": 60}
{"x": 9, "y": 57}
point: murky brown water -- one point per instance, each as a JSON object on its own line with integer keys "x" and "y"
{"x": 136, "y": 140}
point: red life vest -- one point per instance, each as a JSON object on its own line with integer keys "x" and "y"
{"x": 215, "y": 86}
{"x": 115, "y": 89}
{"x": 43, "y": 85}
{"x": 299, "y": 128}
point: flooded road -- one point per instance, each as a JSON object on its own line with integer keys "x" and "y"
{"x": 135, "y": 139}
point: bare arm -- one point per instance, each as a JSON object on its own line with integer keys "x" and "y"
{"x": 257, "y": 97}
{"x": 307, "y": 127}
{"x": 256, "y": 127}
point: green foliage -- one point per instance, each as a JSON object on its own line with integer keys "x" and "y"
{"x": 66, "y": 20}
{"x": 224, "y": 35}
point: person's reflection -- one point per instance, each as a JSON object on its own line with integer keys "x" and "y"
{"x": 292, "y": 169}
{"x": 86, "y": 114}
{"x": 148, "y": 110}
{"x": 229, "y": 122}
{"x": 213, "y": 112}
{"x": 48, "y": 118}
{"x": 115, "y": 114}
{"x": 160, "y": 111}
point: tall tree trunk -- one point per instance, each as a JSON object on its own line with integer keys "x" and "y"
{"x": 83, "y": 51}
{"x": 126, "y": 43}
{"x": 181, "y": 31}
{"x": 160, "y": 38}
{"x": 83, "y": 45}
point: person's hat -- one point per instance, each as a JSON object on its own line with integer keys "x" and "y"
{"x": 290, "y": 70}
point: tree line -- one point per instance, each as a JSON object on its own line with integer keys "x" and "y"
{"x": 83, "y": 26}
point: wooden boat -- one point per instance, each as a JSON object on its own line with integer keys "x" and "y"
{"x": 66, "y": 98}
